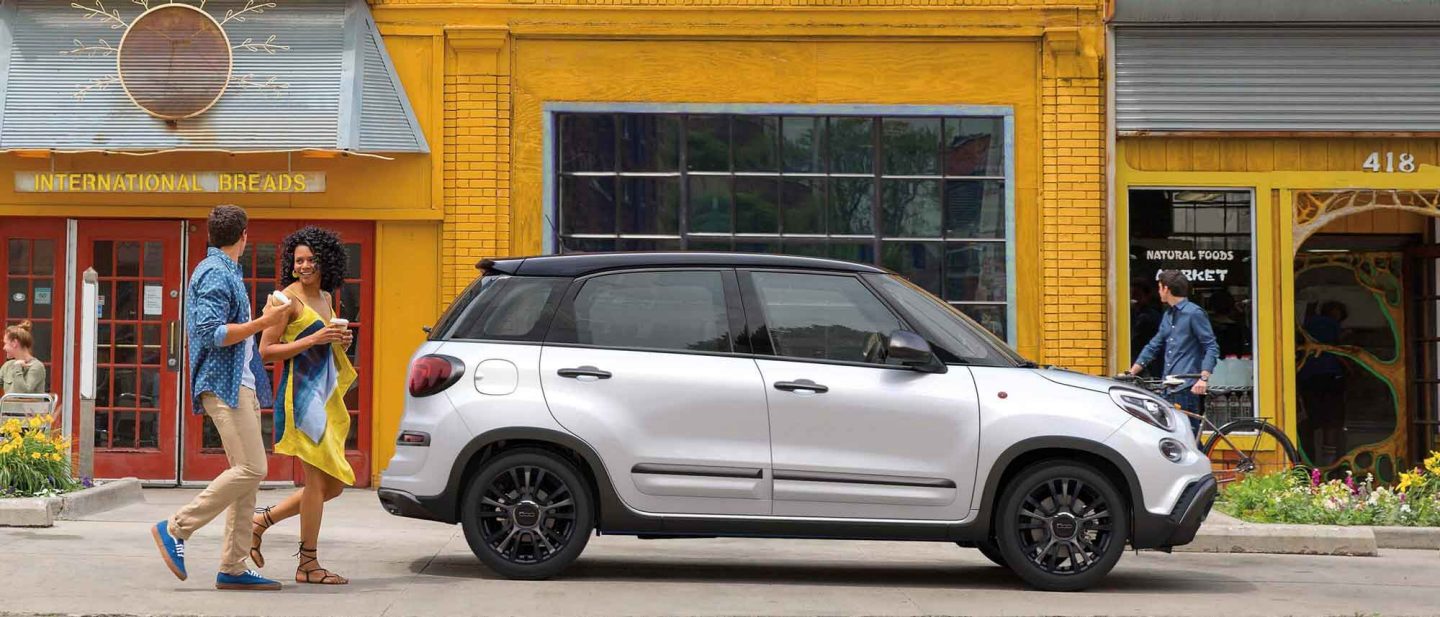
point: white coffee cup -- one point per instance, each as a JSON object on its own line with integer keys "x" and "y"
{"x": 280, "y": 297}
{"x": 338, "y": 322}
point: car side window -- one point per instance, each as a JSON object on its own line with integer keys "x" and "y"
{"x": 518, "y": 309}
{"x": 821, "y": 317}
{"x": 672, "y": 311}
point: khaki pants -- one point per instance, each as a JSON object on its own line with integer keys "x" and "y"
{"x": 234, "y": 489}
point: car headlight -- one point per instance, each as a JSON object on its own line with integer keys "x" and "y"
{"x": 1153, "y": 411}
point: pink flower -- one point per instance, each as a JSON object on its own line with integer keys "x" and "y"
{"x": 1350, "y": 483}
{"x": 1315, "y": 477}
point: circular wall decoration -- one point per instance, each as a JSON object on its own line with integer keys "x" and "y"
{"x": 174, "y": 61}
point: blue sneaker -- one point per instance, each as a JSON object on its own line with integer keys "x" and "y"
{"x": 172, "y": 549}
{"x": 249, "y": 581}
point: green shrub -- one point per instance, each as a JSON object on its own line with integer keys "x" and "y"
{"x": 33, "y": 459}
{"x": 1303, "y": 497}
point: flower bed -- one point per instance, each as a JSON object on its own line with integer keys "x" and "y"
{"x": 1300, "y": 496}
{"x": 33, "y": 459}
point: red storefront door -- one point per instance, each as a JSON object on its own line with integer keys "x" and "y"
{"x": 204, "y": 458}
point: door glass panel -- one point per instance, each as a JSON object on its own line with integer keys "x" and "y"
{"x": 104, "y": 258}
{"x": 124, "y": 434}
{"x": 127, "y": 300}
{"x": 154, "y": 259}
{"x": 18, "y": 297}
{"x": 19, "y": 256}
{"x": 818, "y": 317}
{"x": 44, "y": 264}
{"x": 150, "y": 430}
{"x": 102, "y": 429}
{"x": 681, "y": 311}
{"x": 127, "y": 259}
{"x": 40, "y": 331}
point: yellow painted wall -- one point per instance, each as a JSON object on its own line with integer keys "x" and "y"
{"x": 502, "y": 62}
{"x": 405, "y": 299}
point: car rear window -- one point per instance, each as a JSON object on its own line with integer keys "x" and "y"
{"x": 511, "y": 309}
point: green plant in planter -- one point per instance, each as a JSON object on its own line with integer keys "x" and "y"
{"x": 33, "y": 459}
{"x": 1301, "y": 497}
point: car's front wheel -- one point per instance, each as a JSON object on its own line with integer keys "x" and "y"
{"x": 527, "y": 514}
{"x": 1061, "y": 526}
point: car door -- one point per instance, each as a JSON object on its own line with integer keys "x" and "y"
{"x": 644, "y": 367}
{"x": 850, "y": 435}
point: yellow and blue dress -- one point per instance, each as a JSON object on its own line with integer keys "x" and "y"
{"x": 311, "y": 421}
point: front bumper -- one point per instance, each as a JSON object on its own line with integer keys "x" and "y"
{"x": 401, "y": 503}
{"x": 1179, "y": 527}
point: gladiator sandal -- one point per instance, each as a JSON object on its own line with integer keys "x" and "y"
{"x": 307, "y": 557}
{"x": 256, "y": 556}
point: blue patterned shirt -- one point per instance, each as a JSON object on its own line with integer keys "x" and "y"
{"x": 216, "y": 298}
{"x": 1188, "y": 340}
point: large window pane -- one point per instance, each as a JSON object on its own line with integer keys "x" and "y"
{"x": 18, "y": 255}
{"x": 587, "y": 142}
{"x": 803, "y": 205}
{"x": 1206, "y": 236}
{"x": 975, "y": 272}
{"x": 710, "y": 204}
{"x": 757, "y": 204}
{"x": 649, "y": 143}
{"x": 818, "y": 317}
{"x": 911, "y": 208}
{"x": 679, "y": 311}
{"x": 650, "y": 206}
{"x": 851, "y": 144}
{"x": 802, "y": 140}
{"x": 757, "y": 143}
{"x": 917, "y": 261}
{"x": 974, "y": 147}
{"x": 852, "y": 206}
{"x": 707, "y": 143}
{"x": 587, "y": 204}
{"x": 911, "y": 146}
{"x": 975, "y": 209}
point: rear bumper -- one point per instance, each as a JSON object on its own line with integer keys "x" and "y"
{"x": 1179, "y": 527}
{"x": 401, "y": 503}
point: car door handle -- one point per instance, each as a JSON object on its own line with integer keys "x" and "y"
{"x": 584, "y": 371}
{"x": 801, "y": 385}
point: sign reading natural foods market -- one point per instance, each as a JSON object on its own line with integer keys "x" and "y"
{"x": 1227, "y": 267}
{"x": 170, "y": 182}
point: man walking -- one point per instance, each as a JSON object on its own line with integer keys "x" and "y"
{"x": 230, "y": 385}
{"x": 1188, "y": 341}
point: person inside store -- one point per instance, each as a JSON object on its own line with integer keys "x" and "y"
{"x": 1187, "y": 341}
{"x": 311, "y": 419}
{"x": 1145, "y": 316}
{"x": 1321, "y": 414}
{"x": 22, "y": 372}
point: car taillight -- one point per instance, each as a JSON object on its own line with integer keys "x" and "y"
{"x": 433, "y": 374}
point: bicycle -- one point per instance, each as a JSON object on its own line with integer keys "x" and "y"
{"x": 1226, "y": 468}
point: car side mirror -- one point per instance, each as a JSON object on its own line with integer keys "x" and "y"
{"x": 910, "y": 349}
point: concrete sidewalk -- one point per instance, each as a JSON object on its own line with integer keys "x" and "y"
{"x": 108, "y": 565}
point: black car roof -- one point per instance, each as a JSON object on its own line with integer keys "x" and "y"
{"x": 589, "y": 263}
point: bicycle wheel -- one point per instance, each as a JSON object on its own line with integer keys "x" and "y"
{"x": 1250, "y": 451}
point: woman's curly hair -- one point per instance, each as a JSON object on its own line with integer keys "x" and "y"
{"x": 329, "y": 253}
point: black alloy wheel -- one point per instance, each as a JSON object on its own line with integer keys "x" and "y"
{"x": 1062, "y": 526}
{"x": 528, "y": 514}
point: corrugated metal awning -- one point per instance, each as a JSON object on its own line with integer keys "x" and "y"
{"x": 307, "y": 75}
{"x": 1275, "y": 11}
{"x": 1259, "y": 79}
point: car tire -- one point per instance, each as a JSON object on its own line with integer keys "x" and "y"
{"x": 989, "y": 549}
{"x": 527, "y": 514}
{"x": 1061, "y": 526}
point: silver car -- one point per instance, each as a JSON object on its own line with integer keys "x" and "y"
{"x": 682, "y": 395}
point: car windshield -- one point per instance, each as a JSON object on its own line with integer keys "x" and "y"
{"x": 956, "y": 337}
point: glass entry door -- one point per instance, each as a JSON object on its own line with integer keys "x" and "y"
{"x": 141, "y": 357}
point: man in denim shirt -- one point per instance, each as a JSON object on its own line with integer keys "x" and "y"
{"x": 1188, "y": 341}
{"x": 231, "y": 386}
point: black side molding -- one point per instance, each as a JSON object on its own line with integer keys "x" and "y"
{"x": 698, "y": 470}
{"x": 855, "y": 478}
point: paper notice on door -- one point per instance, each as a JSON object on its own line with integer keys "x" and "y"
{"x": 154, "y": 295}
{"x": 42, "y": 295}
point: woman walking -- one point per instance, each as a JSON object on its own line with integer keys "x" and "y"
{"x": 311, "y": 422}
{"x": 22, "y": 372}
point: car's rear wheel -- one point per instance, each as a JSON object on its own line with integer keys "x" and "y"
{"x": 1062, "y": 526}
{"x": 527, "y": 514}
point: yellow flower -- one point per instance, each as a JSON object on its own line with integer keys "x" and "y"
{"x": 1407, "y": 480}
{"x": 1433, "y": 463}
{"x": 35, "y": 455}
{"x": 56, "y": 457}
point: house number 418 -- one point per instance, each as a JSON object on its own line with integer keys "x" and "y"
{"x": 1403, "y": 162}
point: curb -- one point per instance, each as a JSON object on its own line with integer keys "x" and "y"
{"x": 1284, "y": 539}
{"x": 100, "y": 498}
{"x": 1424, "y": 538}
{"x": 43, "y": 512}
